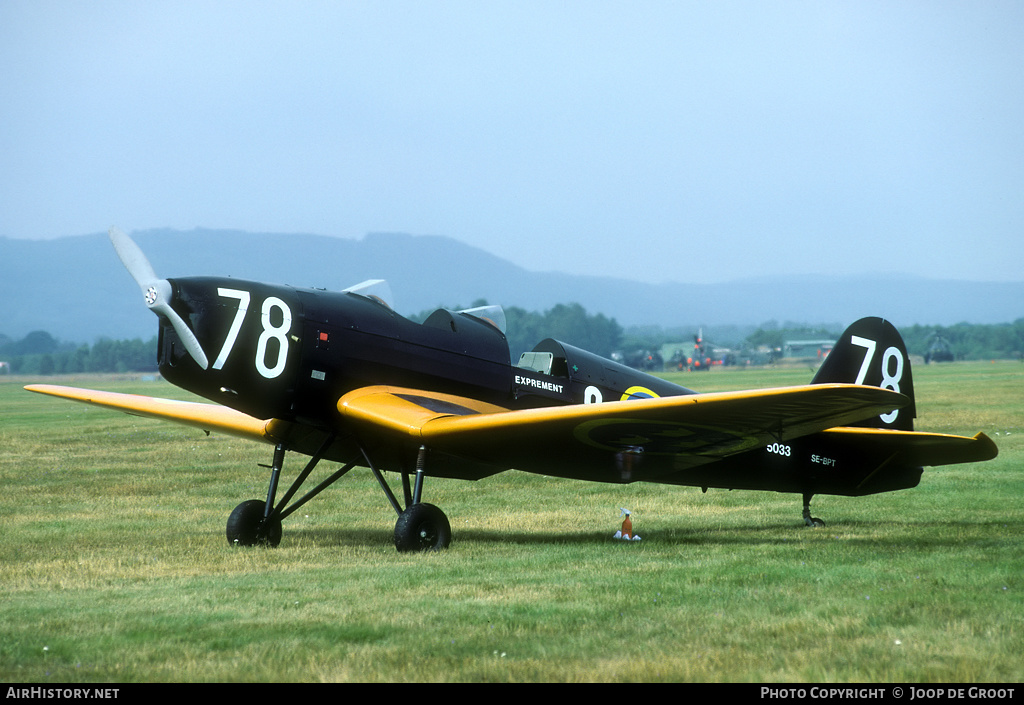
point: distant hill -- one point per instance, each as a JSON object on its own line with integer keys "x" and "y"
{"x": 76, "y": 288}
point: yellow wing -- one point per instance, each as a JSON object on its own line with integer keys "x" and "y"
{"x": 649, "y": 439}
{"x": 472, "y": 439}
{"x": 652, "y": 437}
{"x": 209, "y": 417}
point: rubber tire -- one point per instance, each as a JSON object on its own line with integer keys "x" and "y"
{"x": 422, "y": 527}
{"x": 244, "y": 526}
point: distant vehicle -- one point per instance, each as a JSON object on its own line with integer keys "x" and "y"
{"x": 807, "y": 349}
{"x": 938, "y": 351}
{"x": 703, "y": 357}
{"x": 700, "y": 359}
{"x": 643, "y": 360}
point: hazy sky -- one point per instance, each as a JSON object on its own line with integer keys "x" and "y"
{"x": 687, "y": 141}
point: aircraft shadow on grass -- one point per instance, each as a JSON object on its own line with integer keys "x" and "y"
{"x": 938, "y": 534}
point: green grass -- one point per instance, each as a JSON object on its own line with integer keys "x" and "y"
{"x": 116, "y": 568}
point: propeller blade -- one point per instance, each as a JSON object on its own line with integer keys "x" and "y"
{"x": 157, "y": 292}
{"x": 133, "y": 259}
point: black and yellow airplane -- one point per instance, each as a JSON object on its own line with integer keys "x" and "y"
{"x": 340, "y": 376}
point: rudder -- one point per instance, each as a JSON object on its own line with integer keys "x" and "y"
{"x": 871, "y": 352}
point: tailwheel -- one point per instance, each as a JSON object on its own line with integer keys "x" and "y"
{"x": 808, "y": 519}
{"x": 248, "y": 526}
{"x": 422, "y": 527}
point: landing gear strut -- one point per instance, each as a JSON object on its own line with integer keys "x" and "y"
{"x": 420, "y": 526}
{"x": 808, "y": 519}
{"x": 257, "y": 522}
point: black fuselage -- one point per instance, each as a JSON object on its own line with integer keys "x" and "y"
{"x": 289, "y": 353}
{"x": 286, "y": 353}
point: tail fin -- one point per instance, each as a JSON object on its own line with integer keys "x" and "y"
{"x": 872, "y": 352}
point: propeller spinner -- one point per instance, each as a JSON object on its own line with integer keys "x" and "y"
{"x": 157, "y": 292}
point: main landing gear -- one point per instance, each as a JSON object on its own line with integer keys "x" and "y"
{"x": 420, "y": 526}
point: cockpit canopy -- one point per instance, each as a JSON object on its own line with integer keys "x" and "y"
{"x": 380, "y": 291}
{"x": 376, "y": 289}
{"x": 494, "y": 314}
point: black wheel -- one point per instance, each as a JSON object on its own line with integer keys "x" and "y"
{"x": 246, "y": 526}
{"x": 422, "y": 527}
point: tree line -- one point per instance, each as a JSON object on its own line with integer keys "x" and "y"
{"x": 967, "y": 341}
{"x": 39, "y": 353}
{"x": 963, "y": 341}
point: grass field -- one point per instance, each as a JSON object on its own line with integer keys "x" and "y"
{"x": 116, "y": 569}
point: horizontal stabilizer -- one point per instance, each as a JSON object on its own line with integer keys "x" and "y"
{"x": 920, "y": 448}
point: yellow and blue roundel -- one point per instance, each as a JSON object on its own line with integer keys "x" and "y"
{"x": 638, "y": 393}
